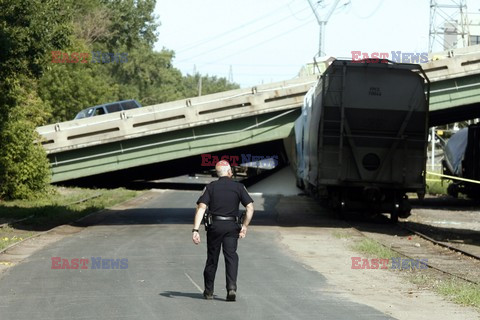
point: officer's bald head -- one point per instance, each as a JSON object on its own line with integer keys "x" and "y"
{"x": 223, "y": 168}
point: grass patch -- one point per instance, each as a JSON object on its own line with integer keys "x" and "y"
{"x": 421, "y": 279}
{"x": 373, "y": 248}
{"x": 341, "y": 234}
{"x": 457, "y": 290}
{"x": 461, "y": 292}
{"x": 9, "y": 235}
{"x": 62, "y": 206}
{"x": 435, "y": 186}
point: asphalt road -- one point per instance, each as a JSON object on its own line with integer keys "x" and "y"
{"x": 164, "y": 279}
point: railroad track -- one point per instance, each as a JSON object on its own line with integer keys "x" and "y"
{"x": 440, "y": 243}
{"x": 445, "y": 260}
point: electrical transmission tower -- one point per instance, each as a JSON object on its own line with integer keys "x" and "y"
{"x": 448, "y": 18}
{"x": 322, "y": 22}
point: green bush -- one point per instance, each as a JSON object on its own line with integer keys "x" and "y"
{"x": 436, "y": 186}
{"x": 24, "y": 167}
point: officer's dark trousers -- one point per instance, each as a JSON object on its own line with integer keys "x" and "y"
{"x": 222, "y": 234}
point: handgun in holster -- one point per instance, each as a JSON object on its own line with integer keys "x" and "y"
{"x": 240, "y": 220}
{"x": 207, "y": 220}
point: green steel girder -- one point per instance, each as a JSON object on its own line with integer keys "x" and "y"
{"x": 452, "y": 93}
{"x": 172, "y": 145}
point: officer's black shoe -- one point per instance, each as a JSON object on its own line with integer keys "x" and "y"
{"x": 208, "y": 295}
{"x": 231, "y": 295}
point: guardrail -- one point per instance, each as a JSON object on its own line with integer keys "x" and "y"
{"x": 451, "y": 64}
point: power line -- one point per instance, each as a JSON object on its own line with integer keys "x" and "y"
{"x": 259, "y": 43}
{"x": 294, "y": 14}
{"x": 236, "y": 39}
{"x": 380, "y": 2}
{"x": 256, "y": 65}
{"x": 215, "y": 37}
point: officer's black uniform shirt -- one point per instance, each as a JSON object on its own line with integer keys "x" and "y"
{"x": 223, "y": 197}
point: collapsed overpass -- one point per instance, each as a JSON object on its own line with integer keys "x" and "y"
{"x": 227, "y": 120}
{"x": 173, "y": 130}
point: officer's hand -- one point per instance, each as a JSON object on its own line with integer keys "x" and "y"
{"x": 196, "y": 237}
{"x": 243, "y": 232}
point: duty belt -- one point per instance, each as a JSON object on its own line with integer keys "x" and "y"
{"x": 223, "y": 218}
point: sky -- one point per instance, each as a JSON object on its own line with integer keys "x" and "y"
{"x": 259, "y": 41}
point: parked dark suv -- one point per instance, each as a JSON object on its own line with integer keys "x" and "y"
{"x": 108, "y": 108}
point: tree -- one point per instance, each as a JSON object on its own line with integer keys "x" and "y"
{"x": 210, "y": 84}
{"x": 133, "y": 24}
{"x": 68, "y": 88}
{"x": 28, "y": 30}
{"x": 118, "y": 27}
{"x": 35, "y": 90}
{"x": 152, "y": 74}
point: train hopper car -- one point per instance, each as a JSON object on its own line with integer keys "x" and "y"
{"x": 362, "y": 136}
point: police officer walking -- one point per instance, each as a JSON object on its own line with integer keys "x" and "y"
{"x": 222, "y": 198}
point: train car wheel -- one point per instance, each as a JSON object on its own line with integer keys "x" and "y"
{"x": 396, "y": 209}
{"x": 300, "y": 184}
{"x": 338, "y": 204}
{"x": 394, "y": 216}
{"x": 405, "y": 207}
{"x": 342, "y": 211}
{"x": 452, "y": 190}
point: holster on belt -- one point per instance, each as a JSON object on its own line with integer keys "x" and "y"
{"x": 207, "y": 220}
{"x": 240, "y": 220}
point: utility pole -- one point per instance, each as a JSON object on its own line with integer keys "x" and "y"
{"x": 200, "y": 85}
{"x": 322, "y": 22}
{"x": 230, "y": 74}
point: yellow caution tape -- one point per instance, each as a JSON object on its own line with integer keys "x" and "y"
{"x": 453, "y": 177}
